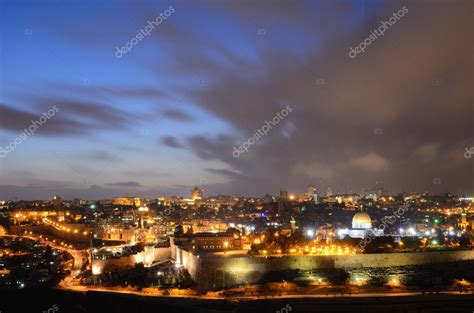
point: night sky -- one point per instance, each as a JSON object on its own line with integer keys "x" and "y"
{"x": 166, "y": 115}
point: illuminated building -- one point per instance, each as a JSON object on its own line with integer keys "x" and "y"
{"x": 205, "y": 225}
{"x": 76, "y": 202}
{"x": 119, "y": 234}
{"x": 57, "y": 201}
{"x": 310, "y": 191}
{"x": 309, "y": 195}
{"x": 197, "y": 193}
{"x": 202, "y": 242}
{"x": 361, "y": 220}
{"x": 143, "y": 209}
{"x": 127, "y": 201}
{"x": 465, "y": 224}
{"x": 293, "y": 224}
{"x": 361, "y": 227}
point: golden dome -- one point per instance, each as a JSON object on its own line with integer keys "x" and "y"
{"x": 361, "y": 220}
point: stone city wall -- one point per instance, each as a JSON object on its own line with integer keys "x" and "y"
{"x": 211, "y": 271}
{"x": 147, "y": 257}
{"x": 48, "y": 229}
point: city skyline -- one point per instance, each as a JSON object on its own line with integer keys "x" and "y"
{"x": 201, "y": 79}
{"x": 236, "y": 156}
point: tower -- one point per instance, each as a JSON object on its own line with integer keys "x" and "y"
{"x": 293, "y": 225}
{"x": 284, "y": 194}
{"x": 463, "y": 224}
{"x": 197, "y": 193}
{"x": 281, "y": 201}
{"x": 329, "y": 192}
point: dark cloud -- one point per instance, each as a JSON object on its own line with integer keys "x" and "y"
{"x": 72, "y": 117}
{"x": 131, "y": 184}
{"x": 68, "y": 191}
{"x": 177, "y": 115}
{"x": 16, "y": 120}
{"x": 101, "y": 155}
{"x": 409, "y": 84}
{"x": 144, "y": 173}
{"x": 88, "y": 88}
{"x": 212, "y": 148}
{"x": 170, "y": 141}
{"x": 224, "y": 172}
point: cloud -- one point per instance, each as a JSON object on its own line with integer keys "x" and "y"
{"x": 144, "y": 173}
{"x": 334, "y": 122}
{"x": 101, "y": 155}
{"x": 90, "y": 89}
{"x": 177, "y": 115}
{"x": 74, "y": 117}
{"x": 314, "y": 170}
{"x": 414, "y": 83}
{"x": 223, "y": 172}
{"x": 371, "y": 162}
{"x": 15, "y": 120}
{"x": 427, "y": 152}
{"x": 125, "y": 184}
{"x": 170, "y": 141}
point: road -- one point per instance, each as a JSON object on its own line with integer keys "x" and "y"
{"x": 150, "y": 293}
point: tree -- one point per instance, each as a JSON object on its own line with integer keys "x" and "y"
{"x": 465, "y": 241}
{"x": 48, "y": 252}
{"x": 380, "y": 244}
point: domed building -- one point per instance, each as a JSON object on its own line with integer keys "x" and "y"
{"x": 361, "y": 226}
{"x": 361, "y": 220}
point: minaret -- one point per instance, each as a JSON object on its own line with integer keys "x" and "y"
{"x": 329, "y": 192}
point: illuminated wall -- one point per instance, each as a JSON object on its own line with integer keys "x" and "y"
{"x": 147, "y": 257}
{"x": 211, "y": 271}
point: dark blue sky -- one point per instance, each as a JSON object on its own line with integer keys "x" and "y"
{"x": 166, "y": 115}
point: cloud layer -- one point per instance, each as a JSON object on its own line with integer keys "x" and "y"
{"x": 398, "y": 115}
